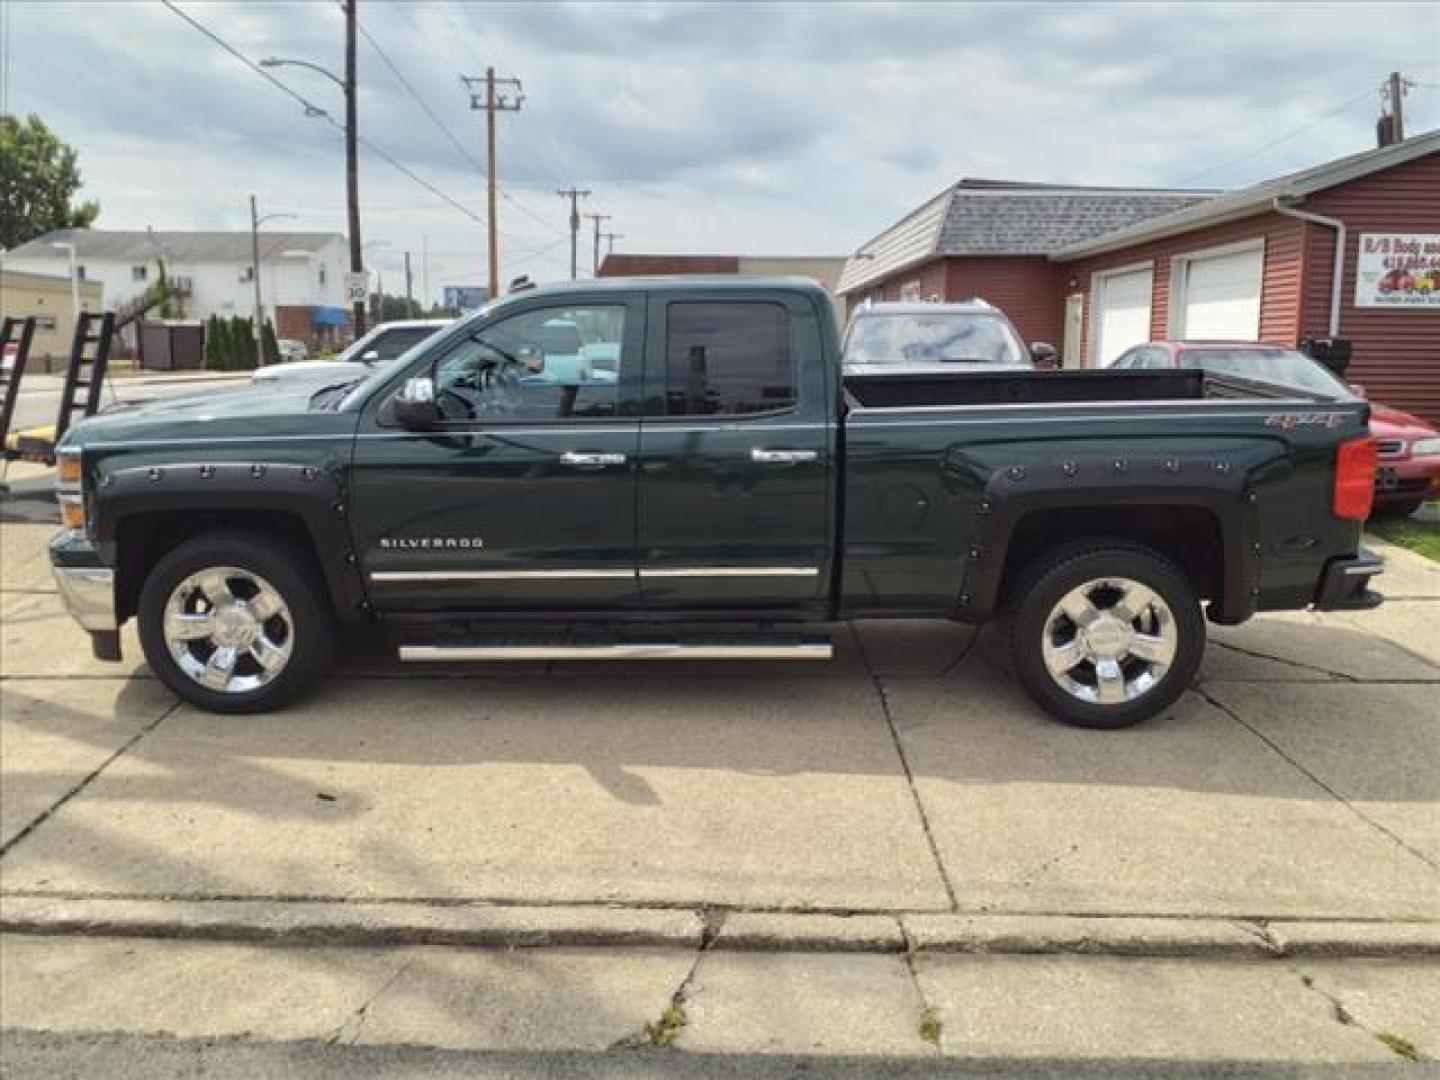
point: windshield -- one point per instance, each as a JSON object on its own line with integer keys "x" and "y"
{"x": 960, "y": 337}
{"x": 1284, "y": 367}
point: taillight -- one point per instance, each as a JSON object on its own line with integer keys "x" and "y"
{"x": 1355, "y": 478}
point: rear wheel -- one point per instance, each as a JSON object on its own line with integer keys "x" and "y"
{"x": 1105, "y": 636}
{"x": 235, "y": 623}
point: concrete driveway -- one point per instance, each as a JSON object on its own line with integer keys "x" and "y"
{"x": 1300, "y": 778}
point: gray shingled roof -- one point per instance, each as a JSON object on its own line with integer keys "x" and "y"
{"x": 144, "y": 244}
{"x": 993, "y": 221}
{"x": 993, "y": 217}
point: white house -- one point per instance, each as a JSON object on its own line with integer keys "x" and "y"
{"x": 301, "y": 273}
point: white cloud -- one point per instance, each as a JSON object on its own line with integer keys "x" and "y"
{"x": 722, "y": 127}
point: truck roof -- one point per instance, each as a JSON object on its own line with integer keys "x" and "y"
{"x": 673, "y": 282}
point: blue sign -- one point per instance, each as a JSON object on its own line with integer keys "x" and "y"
{"x": 466, "y": 297}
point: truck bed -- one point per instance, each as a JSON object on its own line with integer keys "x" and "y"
{"x": 926, "y": 390}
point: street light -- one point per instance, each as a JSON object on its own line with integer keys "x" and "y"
{"x": 74, "y": 281}
{"x": 255, "y": 222}
{"x": 352, "y": 175}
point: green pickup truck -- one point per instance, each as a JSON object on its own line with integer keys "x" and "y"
{"x": 679, "y": 467}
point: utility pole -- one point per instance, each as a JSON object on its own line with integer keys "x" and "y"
{"x": 493, "y": 102}
{"x": 574, "y": 195}
{"x": 352, "y": 167}
{"x": 255, "y": 276}
{"x": 255, "y": 222}
{"x": 409, "y": 294}
{"x": 1397, "y": 106}
{"x": 610, "y": 238}
{"x": 597, "y": 219}
{"x": 1390, "y": 128}
{"x": 425, "y": 273}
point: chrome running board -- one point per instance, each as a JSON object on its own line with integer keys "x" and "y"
{"x": 793, "y": 649}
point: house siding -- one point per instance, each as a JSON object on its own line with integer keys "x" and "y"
{"x": 1397, "y": 351}
{"x": 1280, "y": 284}
{"x": 1026, "y": 287}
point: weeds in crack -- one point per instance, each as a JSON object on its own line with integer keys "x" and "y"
{"x": 1399, "y": 1045}
{"x": 930, "y": 1026}
{"x": 666, "y": 1030}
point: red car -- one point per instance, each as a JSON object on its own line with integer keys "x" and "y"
{"x": 1409, "y": 448}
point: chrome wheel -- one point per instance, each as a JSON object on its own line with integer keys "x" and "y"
{"x": 229, "y": 629}
{"x": 1109, "y": 641}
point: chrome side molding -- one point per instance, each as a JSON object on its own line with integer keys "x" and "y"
{"x": 659, "y": 650}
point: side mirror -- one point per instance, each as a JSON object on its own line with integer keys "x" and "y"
{"x": 1043, "y": 354}
{"x": 1357, "y": 389}
{"x": 415, "y": 406}
{"x": 369, "y": 356}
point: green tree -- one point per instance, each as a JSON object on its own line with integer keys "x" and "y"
{"x": 217, "y": 344}
{"x": 242, "y": 339}
{"x": 271, "y": 344}
{"x": 39, "y": 176}
{"x": 387, "y": 308}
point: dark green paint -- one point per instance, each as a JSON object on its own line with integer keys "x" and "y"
{"x": 903, "y": 488}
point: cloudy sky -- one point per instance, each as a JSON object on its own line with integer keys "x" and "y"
{"x": 756, "y": 128}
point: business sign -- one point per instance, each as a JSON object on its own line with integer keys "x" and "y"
{"x": 1398, "y": 270}
{"x": 465, "y": 297}
{"x": 357, "y": 287}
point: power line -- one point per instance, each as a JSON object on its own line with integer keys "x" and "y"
{"x": 1276, "y": 142}
{"x": 459, "y": 146}
{"x": 419, "y": 32}
{"x": 313, "y": 110}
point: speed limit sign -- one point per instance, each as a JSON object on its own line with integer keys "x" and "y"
{"x": 357, "y": 287}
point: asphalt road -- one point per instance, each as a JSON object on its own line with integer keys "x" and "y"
{"x": 27, "y": 1055}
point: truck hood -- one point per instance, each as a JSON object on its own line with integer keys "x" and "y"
{"x": 267, "y": 411}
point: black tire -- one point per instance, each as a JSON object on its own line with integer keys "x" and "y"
{"x": 1049, "y": 578}
{"x": 1394, "y": 508}
{"x": 290, "y": 570}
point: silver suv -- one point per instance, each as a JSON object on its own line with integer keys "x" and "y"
{"x": 891, "y": 338}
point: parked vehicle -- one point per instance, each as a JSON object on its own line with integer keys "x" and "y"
{"x": 886, "y": 337}
{"x": 291, "y": 351}
{"x": 1408, "y": 448}
{"x": 382, "y": 345}
{"x": 722, "y": 472}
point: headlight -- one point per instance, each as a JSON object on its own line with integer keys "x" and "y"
{"x": 1423, "y": 447}
{"x": 67, "y": 468}
{"x": 68, "y": 475}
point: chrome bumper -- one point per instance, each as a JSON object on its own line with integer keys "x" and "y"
{"x": 89, "y": 595}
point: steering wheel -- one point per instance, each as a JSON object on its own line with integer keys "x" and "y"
{"x": 466, "y": 409}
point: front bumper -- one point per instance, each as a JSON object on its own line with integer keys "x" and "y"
{"x": 1344, "y": 585}
{"x": 88, "y": 593}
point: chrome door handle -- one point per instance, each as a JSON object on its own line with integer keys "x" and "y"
{"x": 590, "y": 461}
{"x": 782, "y": 457}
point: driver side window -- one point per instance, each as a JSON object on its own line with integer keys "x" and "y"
{"x": 547, "y": 364}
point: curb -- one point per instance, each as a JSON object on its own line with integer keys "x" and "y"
{"x": 379, "y": 924}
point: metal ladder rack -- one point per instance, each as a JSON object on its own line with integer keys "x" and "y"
{"x": 85, "y": 374}
{"x": 20, "y": 333}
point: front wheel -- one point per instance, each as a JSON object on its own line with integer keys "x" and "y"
{"x": 236, "y": 624}
{"x": 1105, "y": 636}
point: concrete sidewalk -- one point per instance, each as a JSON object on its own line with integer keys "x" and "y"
{"x": 900, "y": 825}
{"x": 1342, "y": 1016}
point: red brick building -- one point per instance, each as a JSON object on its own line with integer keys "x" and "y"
{"x": 1254, "y": 264}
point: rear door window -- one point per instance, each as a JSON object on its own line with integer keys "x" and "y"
{"x": 728, "y": 358}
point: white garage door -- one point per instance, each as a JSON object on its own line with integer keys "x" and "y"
{"x": 1222, "y": 296}
{"x": 1122, "y": 313}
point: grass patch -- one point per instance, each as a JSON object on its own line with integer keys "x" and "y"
{"x": 930, "y": 1026}
{"x": 666, "y": 1030}
{"x": 1404, "y": 1047}
{"x": 1416, "y": 536}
